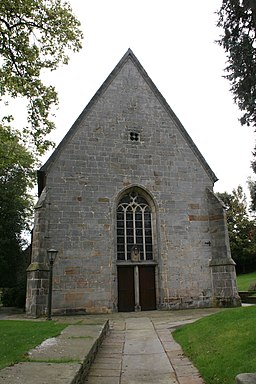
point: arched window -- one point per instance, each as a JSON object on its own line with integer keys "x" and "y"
{"x": 134, "y": 227}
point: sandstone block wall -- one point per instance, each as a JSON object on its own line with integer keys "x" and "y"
{"x": 96, "y": 162}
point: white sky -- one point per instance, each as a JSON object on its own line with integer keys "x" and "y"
{"x": 174, "y": 41}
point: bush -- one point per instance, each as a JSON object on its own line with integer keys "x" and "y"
{"x": 14, "y": 297}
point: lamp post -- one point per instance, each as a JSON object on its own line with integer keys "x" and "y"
{"x": 51, "y": 253}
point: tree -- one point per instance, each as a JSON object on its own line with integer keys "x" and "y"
{"x": 35, "y": 35}
{"x": 16, "y": 178}
{"x": 242, "y": 230}
{"x": 252, "y": 190}
{"x": 237, "y": 18}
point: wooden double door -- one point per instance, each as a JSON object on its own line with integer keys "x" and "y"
{"x": 136, "y": 288}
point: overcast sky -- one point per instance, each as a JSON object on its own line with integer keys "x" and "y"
{"x": 174, "y": 42}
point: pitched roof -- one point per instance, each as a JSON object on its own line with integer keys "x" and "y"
{"x": 129, "y": 55}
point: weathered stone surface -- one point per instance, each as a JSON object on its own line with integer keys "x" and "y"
{"x": 120, "y": 367}
{"x": 94, "y": 166}
{"x": 246, "y": 378}
{"x": 31, "y": 373}
{"x": 74, "y": 343}
{"x": 77, "y": 344}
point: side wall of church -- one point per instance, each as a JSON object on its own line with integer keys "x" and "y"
{"x": 83, "y": 184}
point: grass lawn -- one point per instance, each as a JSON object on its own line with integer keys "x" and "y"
{"x": 221, "y": 345}
{"x": 18, "y": 337}
{"x": 244, "y": 281}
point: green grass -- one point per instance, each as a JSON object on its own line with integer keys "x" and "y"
{"x": 221, "y": 345}
{"x": 244, "y": 281}
{"x": 18, "y": 337}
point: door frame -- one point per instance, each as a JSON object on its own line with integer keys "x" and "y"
{"x": 136, "y": 294}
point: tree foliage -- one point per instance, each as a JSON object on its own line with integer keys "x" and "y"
{"x": 252, "y": 189}
{"x": 35, "y": 38}
{"x": 242, "y": 230}
{"x": 237, "y": 18}
{"x": 35, "y": 35}
{"x": 16, "y": 178}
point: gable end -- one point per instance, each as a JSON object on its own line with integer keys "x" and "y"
{"x": 129, "y": 55}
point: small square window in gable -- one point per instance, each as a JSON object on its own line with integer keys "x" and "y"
{"x": 134, "y": 136}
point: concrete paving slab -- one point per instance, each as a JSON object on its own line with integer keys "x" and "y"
{"x": 171, "y": 346}
{"x": 97, "y": 372}
{"x": 116, "y": 362}
{"x": 142, "y": 343}
{"x": 102, "y": 380}
{"x": 190, "y": 380}
{"x": 135, "y": 323}
{"x": 164, "y": 335}
{"x": 181, "y": 361}
{"x": 186, "y": 370}
{"x": 115, "y": 337}
{"x": 112, "y": 365}
{"x": 73, "y": 344}
{"x": 112, "y": 349}
{"x": 158, "y": 379}
{"x": 61, "y": 349}
{"x": 43, "y": 373}
{"x": 81, "y": 331}
{"x": 149, "y": 364}
{"x": 109, "y": 355}
{"x": 118, "y": 325}
{"x": 115, "y": 341}
{"x": 174, "y": 354}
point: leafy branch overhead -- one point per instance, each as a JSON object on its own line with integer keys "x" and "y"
{"x": 237, "y": 18}
{"x": 35, "y": 35}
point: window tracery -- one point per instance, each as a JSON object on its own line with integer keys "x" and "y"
{"x": 134, "y": 227}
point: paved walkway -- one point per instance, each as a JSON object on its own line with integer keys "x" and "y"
{"x": 139, "y": 348}
{"x": 142, "y": 350}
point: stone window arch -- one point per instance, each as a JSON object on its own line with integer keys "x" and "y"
{"x": 134, "y": 227}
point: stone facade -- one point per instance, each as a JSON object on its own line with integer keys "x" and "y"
{"x": 128, "y": 142}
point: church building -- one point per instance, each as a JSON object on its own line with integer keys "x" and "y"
{"x": 127, "y": 201}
